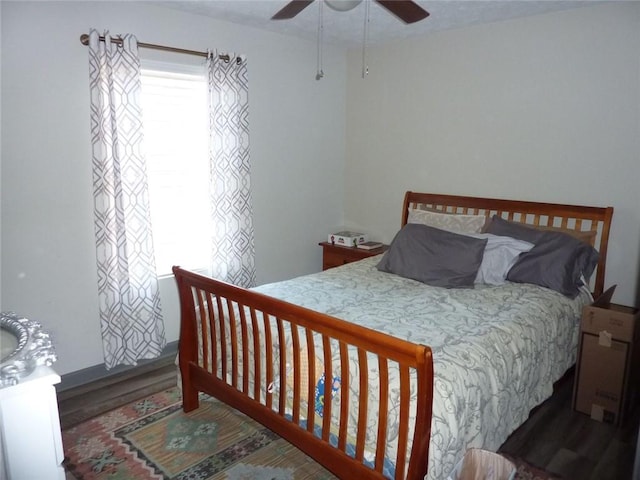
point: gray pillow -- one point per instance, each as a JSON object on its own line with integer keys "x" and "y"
{"x": 557, "y": 260}
{"x": 433, "y": 256}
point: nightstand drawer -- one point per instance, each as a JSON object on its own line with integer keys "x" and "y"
{"x": 335, "y": 259}
{"x": 335, "y": 256}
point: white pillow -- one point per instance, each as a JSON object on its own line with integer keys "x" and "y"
{"x": 500, "y": 254}
{"x": 452, "y": 222}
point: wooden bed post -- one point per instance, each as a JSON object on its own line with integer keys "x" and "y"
{"x": 606, "y": 226}
{"x": 187, "y": 344}
{"x": 419, "y": 460}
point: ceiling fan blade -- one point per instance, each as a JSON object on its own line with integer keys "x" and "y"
{"x": 292, "y": 9}
{"x": 405, "y": 10}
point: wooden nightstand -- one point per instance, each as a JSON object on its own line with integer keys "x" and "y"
{"x": 336, "y": 255}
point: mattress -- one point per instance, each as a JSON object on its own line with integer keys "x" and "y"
{"x": 497, "y": 350}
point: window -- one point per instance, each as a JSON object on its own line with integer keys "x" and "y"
{"x": 176, "y": 138}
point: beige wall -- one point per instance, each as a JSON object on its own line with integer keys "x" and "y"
{"x": 544, "y": 108}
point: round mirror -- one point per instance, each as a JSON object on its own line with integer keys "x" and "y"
{"x": 8, "y": 344}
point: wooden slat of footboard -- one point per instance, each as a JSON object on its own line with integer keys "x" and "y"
{"x": 327, "y": 360}
{"x": 344, "y": 397}
{"x": 311, "y": 375}
{"x": 257, "y": 355}
{"x": 234, "y": 343}
{"x": 268, "y": 342}
{"x": 211, "y": 318}
{"x": 223, "y": 338}
{"x": 382, "y": 412}
{"x": 245, "y": 349}
{"x": 282, "y": 393}
{"x": 296, "y": 374}
{"x": 363, "y": 407}
{"x": 403, "y": 432}
{"x": 203, "y": 327}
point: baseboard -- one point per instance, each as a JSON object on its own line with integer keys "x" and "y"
{"x": 100, "y": 372}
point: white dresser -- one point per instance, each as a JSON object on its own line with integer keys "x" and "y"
{"x": 30, "y": 439}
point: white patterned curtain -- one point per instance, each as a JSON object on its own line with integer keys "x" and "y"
{"x": 130, "y": 312}
{"x": 233, "y": 248}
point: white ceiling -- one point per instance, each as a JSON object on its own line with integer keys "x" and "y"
{"x": 346, "y": 28}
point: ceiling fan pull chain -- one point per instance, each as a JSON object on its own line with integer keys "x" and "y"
{"x": 365, "y": 39}
{"x": 320, "y": 73}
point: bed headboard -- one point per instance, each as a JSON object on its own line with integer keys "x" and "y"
{"x": 570, "y": 217}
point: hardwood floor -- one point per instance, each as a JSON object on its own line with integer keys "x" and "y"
{"x": 78, "y": 404}
{"x": 571, "y": 445}
{"x": 555, "y": 438}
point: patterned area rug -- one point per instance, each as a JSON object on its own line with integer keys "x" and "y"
{"x": 154, "y": 439}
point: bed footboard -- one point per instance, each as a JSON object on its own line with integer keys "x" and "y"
{"x": 357, "y": 401}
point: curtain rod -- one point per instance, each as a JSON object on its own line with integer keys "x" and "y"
{"x": 84, "y": 39}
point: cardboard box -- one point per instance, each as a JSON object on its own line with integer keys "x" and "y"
{"x": 347, "y": 238}
{"x": 606, "y": 377}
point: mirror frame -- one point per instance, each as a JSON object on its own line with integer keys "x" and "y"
{"x": 34, "y": 349}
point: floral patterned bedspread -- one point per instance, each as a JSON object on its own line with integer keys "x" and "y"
{"x": 497, "y": 350}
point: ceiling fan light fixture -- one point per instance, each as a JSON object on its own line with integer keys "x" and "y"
{"x": 342, "y": 5}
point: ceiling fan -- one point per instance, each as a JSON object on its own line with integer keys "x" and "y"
{"x": 406, "y": 10}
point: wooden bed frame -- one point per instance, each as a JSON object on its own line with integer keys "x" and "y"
{"x": 231, "y": 363}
